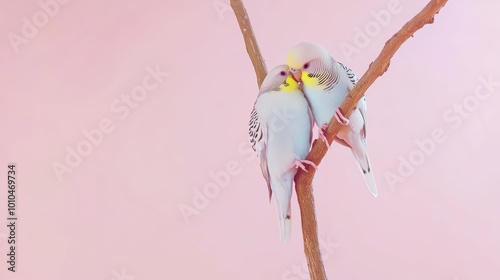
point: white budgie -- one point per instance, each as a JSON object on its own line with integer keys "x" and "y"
{"x": 280, "y": 133}
{"x": 325, "y": 84}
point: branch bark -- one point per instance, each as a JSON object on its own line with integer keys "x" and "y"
{"x": 303, "y": 180}
{"x": 250, "y": 42}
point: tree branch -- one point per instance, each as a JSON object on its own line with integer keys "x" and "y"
{"x": 376, "y": 69}
{"x": 250, "y": 42}
{"x": 303, "y": 180}
{"x": 305, "y": 196}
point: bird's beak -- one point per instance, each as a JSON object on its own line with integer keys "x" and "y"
{"x": 296, "y": 74}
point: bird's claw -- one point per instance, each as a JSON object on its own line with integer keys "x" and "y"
{"x": 340, "y": 117}
{"x": 300, "y": 163}
{"x": 321, "y": 135}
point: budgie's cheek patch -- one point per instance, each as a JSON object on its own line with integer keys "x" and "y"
{"x": 289, "y": 85}
{"x": 308, "y": 80}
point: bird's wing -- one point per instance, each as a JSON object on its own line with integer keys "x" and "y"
{"x": 361, "y": 106}
{"x": 258, "y": 138}
{"x": 311, "y": 120}
{"x": 362, "y": 109}
{"x": 350, "y": 74}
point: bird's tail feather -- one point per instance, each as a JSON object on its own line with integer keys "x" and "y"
{"x": 286, "y": 227}
{"x": 365, "y": 167}
{"x": 282, "y": 197}
{"x": 370, "y": 182}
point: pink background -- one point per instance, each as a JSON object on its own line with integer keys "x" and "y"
{"x": 116, "y": 215}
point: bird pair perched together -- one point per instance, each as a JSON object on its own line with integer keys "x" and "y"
{"x": 311, "y": 87}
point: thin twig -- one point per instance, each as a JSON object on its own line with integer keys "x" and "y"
{"x": 250, "y": 42}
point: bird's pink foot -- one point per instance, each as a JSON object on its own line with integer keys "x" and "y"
{"x": 321, "y": 135}
{"x": 300, "y": 163}
{"x": 340, "y": 117}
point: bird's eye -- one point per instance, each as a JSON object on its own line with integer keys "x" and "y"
{"x": 282, "y": 73}
{"x": 306, "y": 65}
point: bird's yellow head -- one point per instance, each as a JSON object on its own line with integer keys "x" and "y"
{"x": 279, "y": 79}
{"x": 306, "y": 61}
